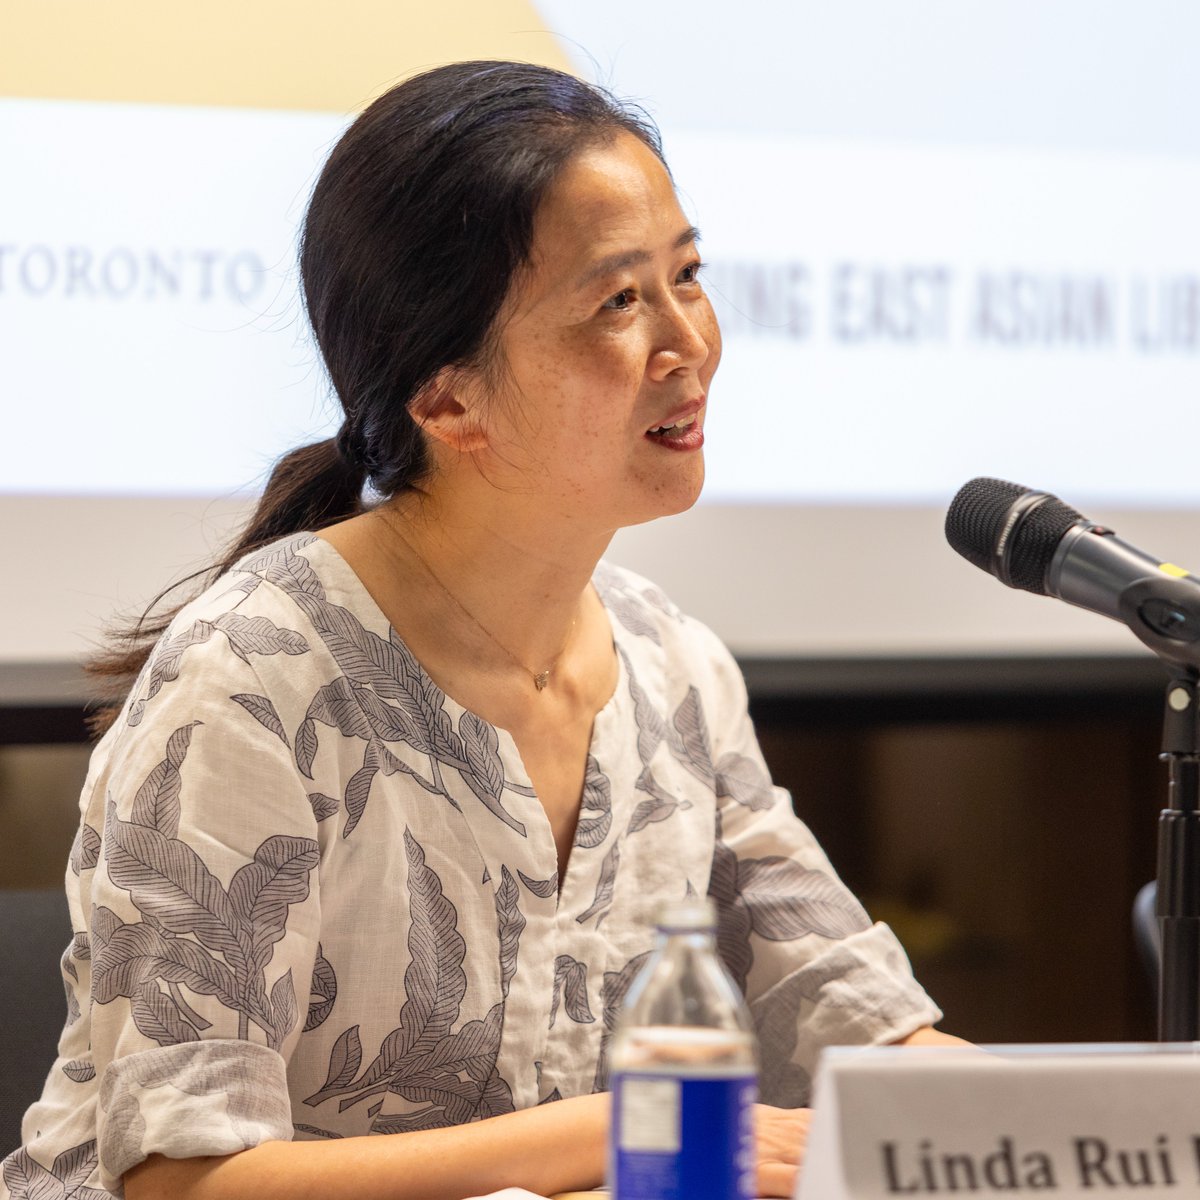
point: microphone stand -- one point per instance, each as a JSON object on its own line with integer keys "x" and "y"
{"x": 1177, "y": 904}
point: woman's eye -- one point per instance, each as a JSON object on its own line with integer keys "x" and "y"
{"x": 691, "y": 273}
{"x": 620, "y": 301}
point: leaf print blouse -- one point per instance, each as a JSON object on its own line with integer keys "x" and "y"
{"x": 315, "y": 898}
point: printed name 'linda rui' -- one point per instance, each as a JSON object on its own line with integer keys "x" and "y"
{"x": 1090, "y": 1162}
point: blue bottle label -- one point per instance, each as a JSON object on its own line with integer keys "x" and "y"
{"x": 682, "y": 1137}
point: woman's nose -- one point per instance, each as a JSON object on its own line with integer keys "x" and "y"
{"x": 686, "y": 340}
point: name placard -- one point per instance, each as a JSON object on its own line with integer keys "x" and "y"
{"x": 1068, "y": 1122}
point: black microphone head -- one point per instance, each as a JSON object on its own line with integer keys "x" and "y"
{"x": 1008, "y": 530}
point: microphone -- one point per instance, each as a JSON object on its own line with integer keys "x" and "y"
{"x": 1033, "y": 541}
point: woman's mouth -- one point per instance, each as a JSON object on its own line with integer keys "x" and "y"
{"x": 676, "y": 429}
{"x": 683, "y": 434}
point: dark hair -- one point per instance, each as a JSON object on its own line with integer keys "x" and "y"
{"x": 416, "y": 228}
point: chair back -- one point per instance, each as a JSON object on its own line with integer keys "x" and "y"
{"x": 1146, "y": 933}
{"x": 35, "y": 928}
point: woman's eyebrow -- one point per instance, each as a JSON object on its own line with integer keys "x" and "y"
{"x": 631, "y": 258}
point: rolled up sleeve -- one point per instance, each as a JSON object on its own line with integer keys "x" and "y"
{"x": 815, "y": 969}
{"x": 188, "y": 1100}
{"x": 203, "y": 916}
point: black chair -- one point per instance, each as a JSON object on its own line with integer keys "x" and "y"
{"x": 35, "y": 928}
{"x": 1146, "y": 933}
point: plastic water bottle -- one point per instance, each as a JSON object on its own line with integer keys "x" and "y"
{"x": 684, "y": 1076}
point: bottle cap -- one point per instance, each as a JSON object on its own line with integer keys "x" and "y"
{"x": 690, "y": 913}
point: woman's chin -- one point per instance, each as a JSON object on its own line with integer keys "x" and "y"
{"x": 671, "y": 501}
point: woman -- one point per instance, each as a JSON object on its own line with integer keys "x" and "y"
{"x": 432, "y": 755}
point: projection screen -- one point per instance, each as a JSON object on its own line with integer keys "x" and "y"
{"x": 944, "y": 239}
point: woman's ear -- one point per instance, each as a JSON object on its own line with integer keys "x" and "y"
{"x": 449, "y": 410}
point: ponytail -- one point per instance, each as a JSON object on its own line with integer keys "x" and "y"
{"x": 310, "y": 488}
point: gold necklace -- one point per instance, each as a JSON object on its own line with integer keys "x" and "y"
{"x": 540, "y": 678}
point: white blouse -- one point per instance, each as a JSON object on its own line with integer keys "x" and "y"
{"x": 314, "y": 897}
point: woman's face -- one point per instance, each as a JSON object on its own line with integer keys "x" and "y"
{"x": 607, "y": 347}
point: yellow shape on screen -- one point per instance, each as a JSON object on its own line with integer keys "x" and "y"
{"x": 274, "y": 54}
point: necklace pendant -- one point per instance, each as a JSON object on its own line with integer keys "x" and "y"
{"x": 541, "y": 680}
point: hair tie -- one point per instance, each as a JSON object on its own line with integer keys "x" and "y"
{"x": 344, "y": 443}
